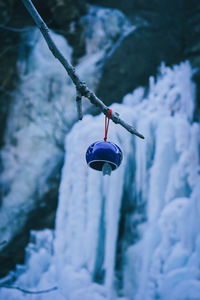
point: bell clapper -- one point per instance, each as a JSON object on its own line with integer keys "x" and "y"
{"x": 106, "y": 169}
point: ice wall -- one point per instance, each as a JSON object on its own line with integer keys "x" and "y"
{"x": 37, "y": 114}
{"x": 42, "y": 112}
{"x": 134, "y": 235}
{"x": 161, "y": 264}
{"x": 159, "y": 258}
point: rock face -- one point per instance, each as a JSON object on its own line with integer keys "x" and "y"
{"x": 157, "y": 39}
{"x": 131, "y": 64}
{"x": 192, "y": 45}
{"x": 174, "y": 37}
{"x": 145, "y": 6}
{"x": 8, "y": 56}
{"x": 65, "y": 11}
{"x": 43, "y": 216}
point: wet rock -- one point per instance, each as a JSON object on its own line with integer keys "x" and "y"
{"x": 8, "y": 55}
{"x": 192, "y": 45}
{"x": 43, "y": 216}
{"x": 177, "y": 21}
{"x": 149, "y": 9}
{"x": 65, "y": 11}
{"x": 137, "y": 57}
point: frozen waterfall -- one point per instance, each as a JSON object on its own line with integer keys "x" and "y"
{"x": 133, "y": 235}
{"x": 43, "y": 110}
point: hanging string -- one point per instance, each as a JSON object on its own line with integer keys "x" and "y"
{"x": 107, "y": 119}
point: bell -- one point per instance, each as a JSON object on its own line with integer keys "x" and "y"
{"x": 104, "y": 156}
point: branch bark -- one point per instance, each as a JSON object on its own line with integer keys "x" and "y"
{"x": 80, "y": 85}
{"x": 79, "y": 105}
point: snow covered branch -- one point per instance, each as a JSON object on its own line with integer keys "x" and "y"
{"x": 81, "y": 87}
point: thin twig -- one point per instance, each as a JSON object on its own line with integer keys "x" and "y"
{"x": 27, "y": 291}
{"x": 20, "y": 30}
{"x": 3, "y": 243}
{"x": 80, "y": 85}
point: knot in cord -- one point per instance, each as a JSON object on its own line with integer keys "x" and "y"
{"x": 107, "y": 119}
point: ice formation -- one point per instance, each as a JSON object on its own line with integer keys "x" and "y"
{"x": 135, "y": 234}
{"x": 42, "y": 112}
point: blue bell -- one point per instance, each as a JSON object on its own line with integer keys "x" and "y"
{"x": 104, "y": 156}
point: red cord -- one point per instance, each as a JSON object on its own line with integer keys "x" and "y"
{"x": 107, "y": 119}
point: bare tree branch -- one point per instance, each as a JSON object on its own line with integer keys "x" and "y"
{"x": 80, "y": 85}
{"x": 27, "y": 291}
